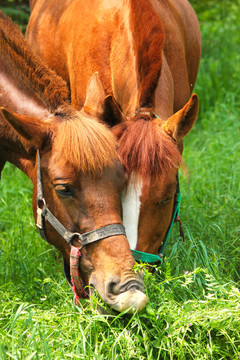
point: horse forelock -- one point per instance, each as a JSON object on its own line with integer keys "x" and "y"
{"x": 148, "y": 35}
{"x": 146, "y": 150}
{"x": 83, "y": 142}
{"x": 30, "y": 68}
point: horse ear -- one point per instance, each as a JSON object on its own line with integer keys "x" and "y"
{"x": 99, "y": 105}
{"x": 112, "y": 114}
{"x": 94, "y": 97}
{"x": 179, "y": 124}
{"x": 30, "y": 128}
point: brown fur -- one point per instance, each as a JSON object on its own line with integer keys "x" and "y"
{"x": 148, "y": 35}
{"x": 81, "y": 140}
{"x": 147, "y": 55}
{"x": 76, "y": 139}
{"x": 50, "y": 88}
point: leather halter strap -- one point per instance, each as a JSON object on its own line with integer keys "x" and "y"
{"x": 44, "y": 214}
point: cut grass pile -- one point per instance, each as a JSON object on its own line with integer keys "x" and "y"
{"x": 194, "y": 299}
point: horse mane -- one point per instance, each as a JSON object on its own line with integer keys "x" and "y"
{"x": 48, "y": 86}
{"x": 148, "y": 35}
{"x": 145, "y": 149}
{"x": 83, "y": 142}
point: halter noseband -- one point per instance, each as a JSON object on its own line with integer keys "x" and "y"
{"x": 152, "y": 258}
{"x": 44, "y": 214}
{"x": 147, "y": 114}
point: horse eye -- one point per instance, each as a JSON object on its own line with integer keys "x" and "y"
{"x": 64, "y": 190}
{"x": 163, "y": 202}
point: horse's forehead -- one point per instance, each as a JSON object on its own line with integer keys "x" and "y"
{"x": 165, "y": 184}
{"x": 59, "y": 170}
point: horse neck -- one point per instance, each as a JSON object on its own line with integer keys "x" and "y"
{"x": 135, "y": 85}
{"x": 16, "y": 96}
{"x": 15, "y": 149}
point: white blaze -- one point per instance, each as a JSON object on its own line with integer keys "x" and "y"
{"x": 131, "y": 209}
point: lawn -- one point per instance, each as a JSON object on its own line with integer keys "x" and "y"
{"x": 194, "y": 298}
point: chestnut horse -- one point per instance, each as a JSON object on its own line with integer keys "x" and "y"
{"x": 72, "y": 161}
{"x": 144, "y": 55}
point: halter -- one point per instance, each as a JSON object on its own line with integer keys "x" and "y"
{"x": 152, "y": 258}
{"x": 44, "y": 214}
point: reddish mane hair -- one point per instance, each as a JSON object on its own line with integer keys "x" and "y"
{"x": 145, "y": 149}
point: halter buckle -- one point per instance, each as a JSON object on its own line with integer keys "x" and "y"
{"x": 40, "y": 206}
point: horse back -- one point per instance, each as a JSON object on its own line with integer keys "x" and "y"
{"x": 77, "y": 38}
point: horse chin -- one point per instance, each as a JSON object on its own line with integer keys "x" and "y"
{"x": 130, "y": 301}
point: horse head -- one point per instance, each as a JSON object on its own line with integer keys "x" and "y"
{"x": 150, "y": 149}
{"x": 82, "y": 180}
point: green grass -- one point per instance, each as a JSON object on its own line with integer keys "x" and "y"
{"x": 18, "y": 10}
{"x": 194, "y": 298}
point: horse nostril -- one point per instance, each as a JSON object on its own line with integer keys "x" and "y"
{"x": 112, "y": 286}
{"x": 116, "y": 287}
{"x": 132, "y": 285}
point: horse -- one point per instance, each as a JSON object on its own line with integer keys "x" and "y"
{"x": 77, "y": 177}
{"x": 143, "y": 57}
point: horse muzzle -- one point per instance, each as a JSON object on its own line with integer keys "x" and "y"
{"x": 130, "y": 300}
{"x": 121, "y": 295}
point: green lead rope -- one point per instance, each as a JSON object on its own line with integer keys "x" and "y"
{"x": 151, "y": 258}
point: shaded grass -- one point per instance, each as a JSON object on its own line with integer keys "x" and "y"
{"x": 193, "y": 310}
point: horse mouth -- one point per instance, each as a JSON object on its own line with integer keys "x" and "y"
{"x": 128, "y": 297}
{"x": 130, "y": 301}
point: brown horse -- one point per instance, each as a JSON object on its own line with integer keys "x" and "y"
{"x": 72, "y": 161}
{"x": 144, "y": 55}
